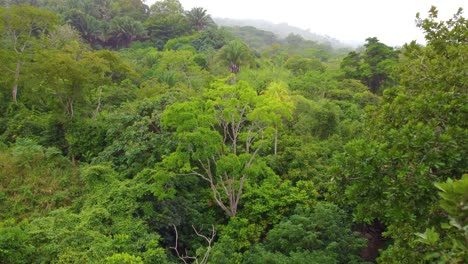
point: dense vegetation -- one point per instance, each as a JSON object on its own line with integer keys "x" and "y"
{"x": 136, "y": 134}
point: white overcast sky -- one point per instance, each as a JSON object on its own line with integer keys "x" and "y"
{"x": 391, "y": 21}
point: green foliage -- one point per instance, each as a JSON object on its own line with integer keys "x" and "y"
{"x": 166, "y": 21}
{"x": 268, "y": 201}
{"x": 104, "y": 153}
{"x": 179, "y": 68}
{"x": 179, "y": 43}
{"x": 417, "y": 136}
{"x": 135, "y": 9}
{"x": 211, "y": 39}
{"x": 449, "y": 244}
{"x": 85, "y": 139}
{"x": 319, "y": 119}
{"x": 14, "y": 244}
{"x": 220, "y": 137}
{"x": 322, "y": 235}
{"x": 135, "y": 137}
{"x": 23, "y": 29}
{"x": 123, "y": 258}
{"x": 263, "y": 76}
{"x": 374, "y": 67}
{"x": 124, "y": 30}
{"x": 234, "y": 54}
{"x": 71, "y": 82}
{"x": 103, "y": 225}
{"x": 299, "y": 65}
{"x": 256, "y": 39}
{"x": 35, "y": 180}
{"x": 198, "y": 18}
{"x": 89, "y": 27}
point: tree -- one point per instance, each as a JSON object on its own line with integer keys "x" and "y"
{"x": 198, "y": 18}
{"x": 350, "y": 65}
{"x": 71, "y": 78}
{"x": 373, "y": 67}
{"x": 136, "y": 9}
{"x": 447, "y": 243}
{"x": 179, "y": 68}
{"x": 234, "y": 54}
{"x": 381, "y": 60}
{"x": 211, "y": 39}
{"x": 220, "y": 137}
{"x": 321, "y": 234}
{"x": 276, "y": 106}
{"x": 300, "y": 65}
{"x": 23, "y": 27}
{"x": 90, "y": 28}
{"x": 124, "y": 30}
{"x": 166, "y": 21}
{"x": 417, "y": 136}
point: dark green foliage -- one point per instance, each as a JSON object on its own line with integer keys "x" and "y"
{"x": 211, "y": 39}
{"x": 135, "y": 137}
{"x": 166, "y": 21}
{"x": 374, "y": 67}
{"x": 86, "y": 139}
{"x": 449, "y": 244}
{"x": 416, "y": 137}
{"x": 124, "y": 30}
{"x": 319, "y": 119}
{"x": 321, "y": 234}
{"x": 198, "y": 18}
{"x": 235, "y": 54}
{"x": 14, "y": 244}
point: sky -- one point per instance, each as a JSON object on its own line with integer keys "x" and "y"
{"x": 350, "y": 21}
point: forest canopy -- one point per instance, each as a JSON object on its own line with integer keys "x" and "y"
{"x": 148, "y": 134}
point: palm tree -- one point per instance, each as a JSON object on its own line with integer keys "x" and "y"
{"x": 234, "y": 54}
{"x": 198, "y": 18}
{"x": 90, "y": 28}
{"x": 124, "y": 30}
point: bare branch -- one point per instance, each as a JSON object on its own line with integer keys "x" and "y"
{"x": 252, "y": 157}
{"x": 186, "y": 257}
{"x": 209, "y": 240}
{"x": 239, "y": 191}
{"x": 175, "y": 247}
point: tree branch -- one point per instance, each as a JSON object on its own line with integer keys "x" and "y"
{"x": 209, "y": 240}
{"x": 175, "y": 247}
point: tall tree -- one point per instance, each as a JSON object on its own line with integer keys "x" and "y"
{"x": 220, "y": 137}
{"x": 198, "y": 18}
{"x": 90, "y": 28}
{"x": 417, "y": 136}
{"x": 136, "y": 9}
{"x": 166, "y": 21}
{"x": 234, "y": 54}
{"x": 23, "y": 26}
{"x": 373, "y": 67}
{"x": 124, "y": 30}
{"x": 72, "y": 75}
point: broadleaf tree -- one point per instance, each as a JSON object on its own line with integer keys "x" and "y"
{"x": 220, "y": 138}
{"x": 22, "y": 28}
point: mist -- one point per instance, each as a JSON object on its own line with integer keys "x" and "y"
{"x": 351, "y": 22}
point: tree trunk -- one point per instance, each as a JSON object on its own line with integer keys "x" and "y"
{"x": 14, "y": 91}
{"x": 276, "y": 139}
{"x": 98, "y": 107}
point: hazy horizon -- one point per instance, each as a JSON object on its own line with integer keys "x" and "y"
{"x": 392, "y": 22}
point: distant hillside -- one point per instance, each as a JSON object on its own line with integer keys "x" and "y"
{"x": 282, "y": 30}
{"x": 255, "y": 38}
